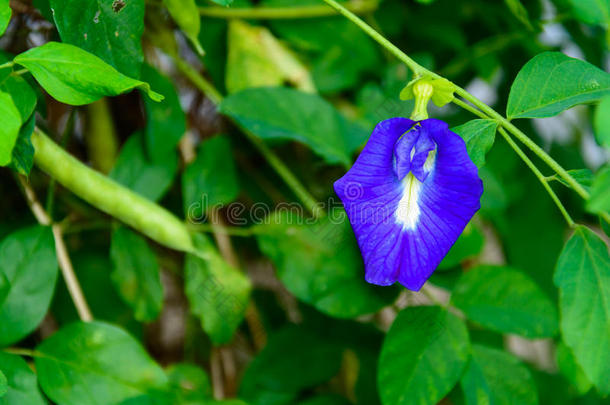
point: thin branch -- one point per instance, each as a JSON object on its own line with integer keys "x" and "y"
{"x": 63, "y": 259}
{"x": 296, "y": 12}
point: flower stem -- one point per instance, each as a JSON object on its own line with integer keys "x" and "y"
{"x": 274, "y": 161}
{"x": 271, "y": 13}
{"x": 538, "y": 174}
{"x": 419, "y": 70}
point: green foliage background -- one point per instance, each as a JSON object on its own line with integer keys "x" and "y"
{"x": 161, "y": 237}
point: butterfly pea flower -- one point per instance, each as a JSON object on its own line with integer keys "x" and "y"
{"x": 408, "y": 197}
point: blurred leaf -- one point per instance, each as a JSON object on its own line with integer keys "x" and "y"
{"x": 211, "y": 179}
{"x": 186, "y": 15}
{"x": 319, "y": 262}
{"x": 190, "y": 383}
{"x": 599, "y": 201}
{"x": 9, "y": 130}
{"x": 520, "y": 13}
{"x": 217, "y": 292}
{"x": 29, "y": 266}
{"x": 468, "y": 245}
{"x": 602, "y": 122}
{"x": 479, "y": 136}
{"x": 595, "y": 12}
{"x": 281, "y": 113}
{"x": 223, "y": 2}
{"x": 136, "y": 274}
{"x": 21, "y": 387}
{"x": 5, "y": 15}
{"x": 23, "y": 152}
{"x": 135, "y": 170}
{"x": 165, "y": 121}
{"x": 571, "y": 369}
{"x": 584, "y": 177}
{"x": 111, "y": 30}
{"x": 271, "y": 378}
{"x": 552, "y": 82}
{"x": 327, "y": 399}
{"x": 76, "y": 77}
{"x": 95, "y": 363}
{"x": 256, "y": 59}
{"x": 496, "y": 377}
{"x": 505, "y": 300}
{"x": 3, "y": 384}
{"x": 423, "y": 356}
{"x": 583, "y": 279}
{"x": 22, "y": 93}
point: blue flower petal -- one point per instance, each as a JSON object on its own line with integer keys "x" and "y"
{"x": 408, "y": 197}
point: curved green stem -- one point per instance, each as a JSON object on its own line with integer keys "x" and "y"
{"x": 538, "y": 174}
{"x": 272, "y": 13}
{"x": 109, "y": 196}
{"x": 274, "y": 161}
{"x": 419, "y": 70}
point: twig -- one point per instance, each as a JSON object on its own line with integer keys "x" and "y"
{"x": 63, "y": 259}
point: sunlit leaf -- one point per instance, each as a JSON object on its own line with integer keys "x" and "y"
{"x": 505, "y": 300}
{"x": 569, "y": 367}
{"x": 479, "y": 136}
{"x": 583, "y": 279}
{"x": 496, "y": 377}
{"x": 595, "y": 12}
{"x": 9, "y": 130}
{"x": 21, "y": 386}
{"x": 5, "y": 15}
{"x": 602, "y": 122}
{"x": 599, "y": 201}
{"x": 95, "y": 363}
{"x": 111, "y": 30}
{"x": 552, "y": 82}
{"x": 76, "y": 77}
{"x": 186, "y": 15}
{"x": 423, "y": 356}
{"x": 281, "y": 113}
{"x": 29, "y": 268}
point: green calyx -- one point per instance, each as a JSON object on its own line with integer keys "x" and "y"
{"x": 424, "y": 89}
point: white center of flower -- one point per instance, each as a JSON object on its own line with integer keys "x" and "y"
{"x": 407, "y": 213}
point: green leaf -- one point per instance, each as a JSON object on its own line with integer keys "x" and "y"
{"x": 186, "y": 15}
{"x": 3, "y": 384}
{"x": 281, "y": 113}
{"x": 210, "y": 180}
{"x": 23, "y": 152}
{"x": 23, "y": 95}
{"x": 135, "y": 170}
{"x": 190, "y": 384}
{"x": 9, "y": 130}
{"x": 469, "y": 244}
{"x": 328, "y": 399}
{"x": 217, "y": 292}
{"x": 496, "y": 377}
{"x": 256, "y": 59}
{"x": 226, "y": 3}
{"x": 602, "y": 122}
{"x": 505, "y": 300}
{"x": 571, "y": 369}
{"x": 423, "y": 356}
{"x": 594, "y": 12}
{"x": 271, "y": 377}
{"x": 95, "y": 363}
{"x": 552, "y": 82}
{"x": 21, "y": 384}
{"x": 520, "y": 12}
{"x": 584, "y": 177}
{"x": 5, "y": 15}
{"x": 599, "y": 200}
{"x": 29, "y": 265}
{"x": 165, "y": 121}
{"x": 583, "y": 279}
{"x": 136, "y": 274}
{"x": 479, "y": 136}
{"x": 320, "y": 263}
{"x": 76, "y": 77}
{"x": 111, "y": 30}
